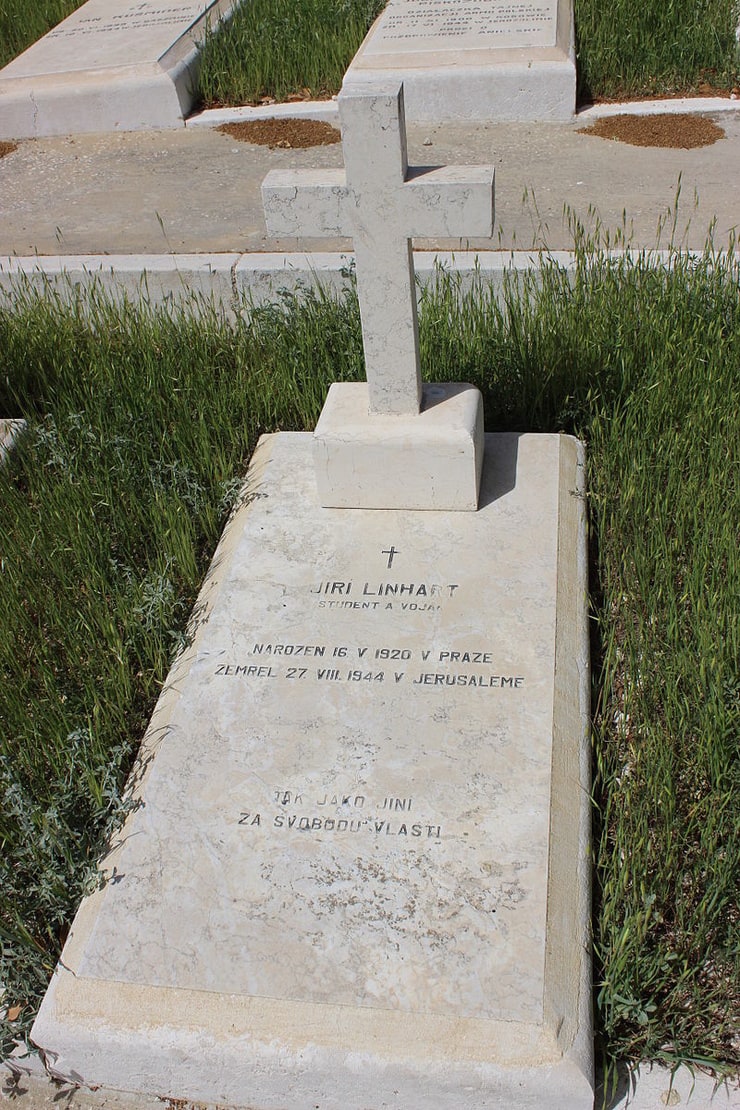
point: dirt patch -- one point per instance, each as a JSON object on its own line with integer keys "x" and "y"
{"x": 703, "y": 90}
{"x": 7, "y": 148}
{"x": 285, "y": 134}
{"x": 682, "y": 131}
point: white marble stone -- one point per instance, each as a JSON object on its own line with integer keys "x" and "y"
{"x": 431, "y": 460}
{"x": 358, "y": 875}
{"x": 113, "y": 65}
{"x": 261, "y": 278}
{"x": 464, "y": 60}
{"x": 382, "y": 203}
{"x": 325, "y": 111}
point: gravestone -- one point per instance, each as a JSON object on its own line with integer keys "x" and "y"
{"x": 113, "y": 65}
{"x": 474, "y": 60}
{"x": 358, "y": 873}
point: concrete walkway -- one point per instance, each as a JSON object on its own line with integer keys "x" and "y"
{"x": 197, "y": 190}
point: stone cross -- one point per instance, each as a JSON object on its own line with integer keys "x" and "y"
{"x": 381, "y": 202}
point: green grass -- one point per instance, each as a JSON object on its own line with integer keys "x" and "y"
{"x": 141, "y": 423}
{"x": 276, "y": 48}
{"x": 24, "y": 21}
{"x": 634, "y": 48}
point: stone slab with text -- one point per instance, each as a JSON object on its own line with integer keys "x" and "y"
{"x": 110, "y": 66}
{"x": 474, "y": 59}
{"x": 357, "y": 876}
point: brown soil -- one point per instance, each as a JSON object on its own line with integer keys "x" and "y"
{"x": 701, "y": 91}
{"x": 682, "y": 131}
{"x": 7, "y": 148}
{"x": 286, "y": 134}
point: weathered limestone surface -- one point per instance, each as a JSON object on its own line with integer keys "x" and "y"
{"x": 358, "y": 875}
{"x": 475, "y": 59}
{"x": 110, "y": 66}
{"x": 437, "y": 454}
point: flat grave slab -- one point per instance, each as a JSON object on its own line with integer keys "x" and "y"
{"x": 357, "y": 875}
{"x": 474, "y": 60}
{"x": 110, "y": 66}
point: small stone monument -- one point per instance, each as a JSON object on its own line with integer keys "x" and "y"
{"x": 370, "y": 434}
{"x": 358, "y": 875}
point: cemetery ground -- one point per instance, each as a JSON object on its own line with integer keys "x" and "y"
{"x": 196, "y": 190}
{"x": 274, "y": 49}
{"x": 141, "y": 422}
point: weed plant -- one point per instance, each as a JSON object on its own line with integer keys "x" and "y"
{"x": 21, "y": 23}
{"x": 630, "y": 48}
{"x": 280, "y": 48}
{"x": 141, "y": 423}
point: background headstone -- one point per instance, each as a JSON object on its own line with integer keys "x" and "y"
{"x": 113, "y": 65}
{"x": 474, "y": 59}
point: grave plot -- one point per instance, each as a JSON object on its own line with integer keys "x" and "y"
{"x": 358, "y": 873}
{"x": 345, "y": 878}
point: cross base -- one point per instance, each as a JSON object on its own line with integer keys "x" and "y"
{"x": 428, "y": 460}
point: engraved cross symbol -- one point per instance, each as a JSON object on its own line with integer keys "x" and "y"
{"x": 390, "y": 552}
{"x": 381, "y": 202}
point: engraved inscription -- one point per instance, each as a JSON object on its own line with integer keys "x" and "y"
{"x": 410, "y": 597}
{"x": 366, "y": 669}
{"x": 476, "y": 22}
{"x": 135, "y": 17}
{"x": 342, "y": 813}
{"x": 390, "y": 552}
{"x": 356, "y": 815}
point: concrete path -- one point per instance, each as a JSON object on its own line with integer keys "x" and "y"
{"x": 198, "y": 190}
